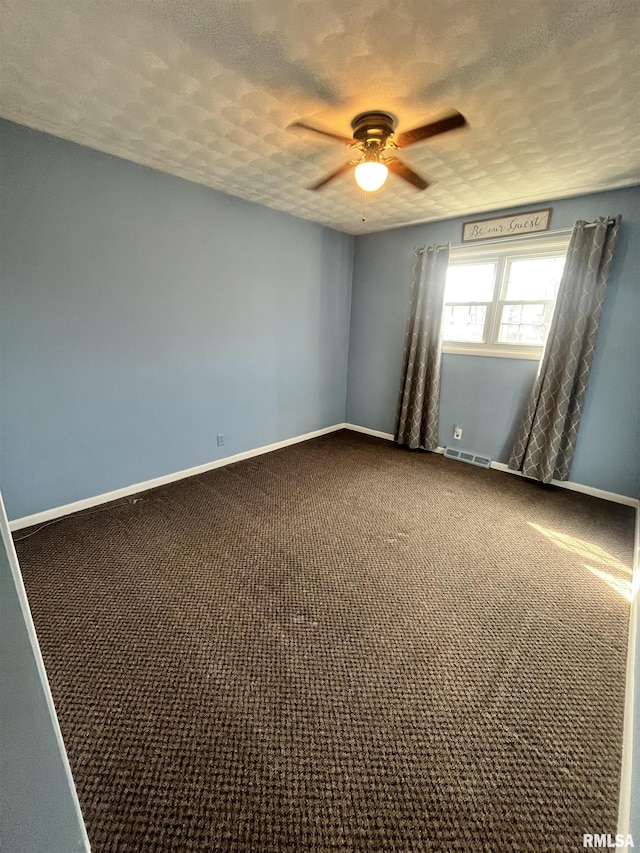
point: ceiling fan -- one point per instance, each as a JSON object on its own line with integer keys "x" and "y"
{"x": 373, "y": 136}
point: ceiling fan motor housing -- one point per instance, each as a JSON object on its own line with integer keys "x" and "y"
{"x": 373, "y": 126}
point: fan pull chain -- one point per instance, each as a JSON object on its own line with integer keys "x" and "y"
{"x": 364, "y": 207}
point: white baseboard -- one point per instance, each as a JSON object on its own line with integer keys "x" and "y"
{"x": 501, "y": 466}
{"x": 117, "y": 494}
{"x": 87, "y": 503}
{"x": 576, "y": 487}
{"x": 135, "y": 488}
{"x": 375, "y": 432}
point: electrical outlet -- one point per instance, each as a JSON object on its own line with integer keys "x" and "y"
{"x": 457, "y": 432}
{"x": 220, "y": 439}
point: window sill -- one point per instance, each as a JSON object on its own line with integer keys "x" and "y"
{"x": 529, "y": 354}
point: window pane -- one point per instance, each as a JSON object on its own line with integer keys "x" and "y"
{"x": 470, "y": 283}
{"x": 509, "y": 334}
{"x": 533, "y": 314}
{"x": 525, "y": 324}
{"x": 532, "y": 335}
{"x": 512, "y": 314}
{"x": 464, "y": 323}
{"x": 535, "y": 278}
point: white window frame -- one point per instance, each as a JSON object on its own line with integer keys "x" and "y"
{"x": 502, "y": 254}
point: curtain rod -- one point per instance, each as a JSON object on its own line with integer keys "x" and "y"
{"x": 560, "y": 232}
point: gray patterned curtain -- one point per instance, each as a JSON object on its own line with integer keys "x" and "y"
{"x": 547, "y": 436}
{"x": 417, "y": 418}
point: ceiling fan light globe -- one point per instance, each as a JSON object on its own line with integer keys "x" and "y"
{"x": 370, "y": 176}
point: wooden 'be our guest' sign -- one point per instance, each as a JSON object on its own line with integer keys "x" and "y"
{"x": 507, "y": 226}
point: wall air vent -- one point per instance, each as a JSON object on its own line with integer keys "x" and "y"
{"x": 464, "y": 456}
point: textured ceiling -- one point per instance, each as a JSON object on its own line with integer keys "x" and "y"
{"x": 205, "y": 89}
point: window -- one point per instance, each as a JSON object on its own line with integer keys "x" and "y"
{"x": 499, "y": 300}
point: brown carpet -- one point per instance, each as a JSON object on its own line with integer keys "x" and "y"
{"x": 339, "y": 646}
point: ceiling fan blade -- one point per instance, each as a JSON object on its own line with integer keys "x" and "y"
{"x": 398, "y": 168}
{"x": 331, "y": 176}
{"x": 345, "y": 139}
{"x": 435, "y": 128}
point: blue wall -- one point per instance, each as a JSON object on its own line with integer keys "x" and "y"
{"x": 487, "y": 395}
{"x": 142, "y": 314}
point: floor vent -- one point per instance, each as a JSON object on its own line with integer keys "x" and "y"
{"x": 464, "y": 456}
